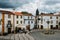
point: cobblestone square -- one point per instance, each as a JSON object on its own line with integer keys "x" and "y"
{"x": 41, "y": 36}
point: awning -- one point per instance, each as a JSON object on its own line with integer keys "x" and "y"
{"x": 21, "y": 26}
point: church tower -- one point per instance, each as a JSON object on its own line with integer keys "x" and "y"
{"x": 36, "y": 19}
{"x": 37, "y": 12}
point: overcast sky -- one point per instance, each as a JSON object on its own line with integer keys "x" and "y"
{"x": 31, "y": 5}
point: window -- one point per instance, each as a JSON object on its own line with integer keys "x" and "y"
{"x": 21, "y": 22}
{"x": 41, "y": 22}
{"x": 56, "y": 17}
{"x": 9, "y": 22}
{"x": 17, "y": 22}
{"x": 31, "y": 17}
{"x": 51, "y": 21}
{"x": 31, "y": 21}
{"x": 38, "y": 26}
{"x": 56, "y": 21}
{"x": 28, "y": 22}
{"x": 41, "y": 26}
{"x": 21, "y": 16}
{"x": 17, "y": 16}
{"x": 0, "y": 22}
{"x": 24, "y": 21}
{"x": 9, "y": 15}
{"x": 44, "y": 19}
{"x": 50, "y": 17}
{"x": 56, "y": 26}
{"x": 51, "y": 26}
{"x": 59, "y": 23}
{"x": 28, "y": 17}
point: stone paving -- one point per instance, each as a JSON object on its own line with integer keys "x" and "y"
{"x": 17, "y": 36}
{"x": 38, "y": 35}
{"x": 32, "y": 35}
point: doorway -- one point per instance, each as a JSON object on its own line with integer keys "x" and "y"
{"x": 41, "y": 26}
{"x": 9, "y": 25}
{"x": 51, "y": 27}
{"x": 28, "y": 27}
{"x": 56, "y": 26}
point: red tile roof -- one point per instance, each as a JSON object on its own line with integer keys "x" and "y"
{"x": 24, "y": 14}
{"x": 6, "y": 12}
{"x": 15, "y": 13}
{"x": 18, "y": 13}
{"x": 49, "y": 15}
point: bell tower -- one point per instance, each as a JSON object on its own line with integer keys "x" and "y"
{"x": 36, "y": 19}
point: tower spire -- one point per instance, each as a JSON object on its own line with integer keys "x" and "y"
{"x": 37, "y": 12}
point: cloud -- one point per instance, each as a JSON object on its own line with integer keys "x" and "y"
{"x": 51, "y": 2}
{"x": 40, "y": 4}
{"x": 31, "y": 5}
{"x": 12, "y": 3}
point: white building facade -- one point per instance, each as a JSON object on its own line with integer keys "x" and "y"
{"x": 53, "y": 21}
{"x": 29, "y": 20}
{"x": 17, "y": 19}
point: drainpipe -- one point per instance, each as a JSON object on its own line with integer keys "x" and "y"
{"x": 13, "y": 23}
{"x": 2, "y": 23}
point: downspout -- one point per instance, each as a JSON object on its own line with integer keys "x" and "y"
{"x": 13, "y": 23}
{"x": 2, "y": 23}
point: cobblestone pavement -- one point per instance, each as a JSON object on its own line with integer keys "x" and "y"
{"x": 33, "y": 35}
{"x": 38, "y": 35}
{"x": 17, "y": 36}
